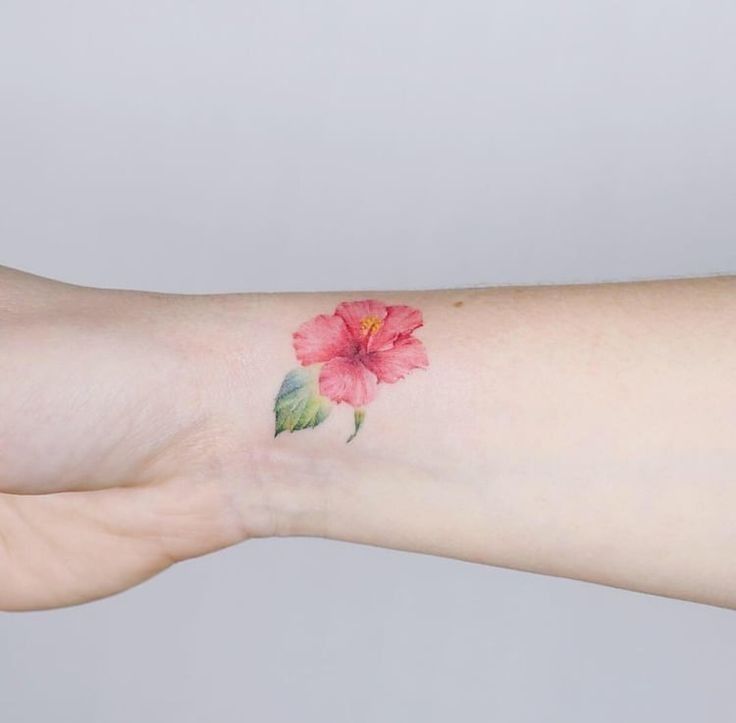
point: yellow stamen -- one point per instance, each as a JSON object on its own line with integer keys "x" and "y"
{"x": 370, "y": 325}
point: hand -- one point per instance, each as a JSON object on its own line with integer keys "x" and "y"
{"x": 118, "y": 455}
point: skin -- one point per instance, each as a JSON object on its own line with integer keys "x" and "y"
{"x": 581, "y": 431}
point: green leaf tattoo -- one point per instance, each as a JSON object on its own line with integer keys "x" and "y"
{"x": 299, "y": 405}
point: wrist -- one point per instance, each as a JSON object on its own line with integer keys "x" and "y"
{"x": 311, "y": 482}
{"x": 235, "y": 348}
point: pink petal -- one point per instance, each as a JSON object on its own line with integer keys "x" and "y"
{"x": 395, "y": 363}
{"x": 400, "y": 321}
{"x": 321, "y": 339}
{"x": 347, "y": 380}
{"x": 353, "y": 313}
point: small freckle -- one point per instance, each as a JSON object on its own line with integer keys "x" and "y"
{"x": 458, "y": 304}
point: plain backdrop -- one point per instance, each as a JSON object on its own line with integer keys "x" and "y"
{"x": 242, "y": 146}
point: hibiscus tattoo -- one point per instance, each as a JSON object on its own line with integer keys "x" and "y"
{"x": 344, "y": 357}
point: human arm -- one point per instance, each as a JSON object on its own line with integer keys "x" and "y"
{"x": 581, "y": 431}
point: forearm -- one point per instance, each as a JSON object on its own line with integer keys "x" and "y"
{"x": 577, "y": 431}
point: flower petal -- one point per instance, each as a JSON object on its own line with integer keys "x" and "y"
{"x": 347, "y": 380}
{"x": 395, "y": 363}
{"x": 354, "y": 312}
{"x": 400, "y": 321}
{"x": 321, "y": 339}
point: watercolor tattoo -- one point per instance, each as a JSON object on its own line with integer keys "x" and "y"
{"x": 344, "y": 357}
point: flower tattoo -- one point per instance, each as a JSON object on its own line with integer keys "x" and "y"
{"x": 344, "y": 357}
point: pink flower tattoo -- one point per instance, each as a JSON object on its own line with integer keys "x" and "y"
{"x": 344, "y": 357}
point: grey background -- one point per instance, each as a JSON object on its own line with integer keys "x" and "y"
{"x": 222, "y": 146}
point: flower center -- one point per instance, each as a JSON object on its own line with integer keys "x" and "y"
{"x": 369, "y": 325}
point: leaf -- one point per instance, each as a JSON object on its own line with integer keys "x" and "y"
{"x": 359, "y": 416}
{"x": 299, "y": 405}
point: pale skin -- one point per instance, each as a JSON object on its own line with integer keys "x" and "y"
{"x": 581, "y": 431}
